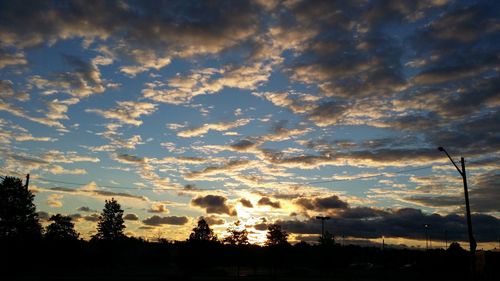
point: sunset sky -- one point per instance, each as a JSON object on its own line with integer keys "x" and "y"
{"x": 260, "y": 111}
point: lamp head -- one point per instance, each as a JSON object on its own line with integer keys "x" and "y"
{"x": 440, "y": 148}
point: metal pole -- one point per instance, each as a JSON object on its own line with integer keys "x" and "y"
{"x": 426, "y": 238}
{"x": 323, "y": 229}
{"x": 445, "y": 239}
{"x": 322, "y": 226}
{"x": 472, "y": 241}
{"x": 27, "y": 181}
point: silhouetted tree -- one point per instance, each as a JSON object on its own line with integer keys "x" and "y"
{"x": 455, "y": 247}
{"x": 110, "y": 225}
{"x": 61, "y": 228}
{"x": 202, "y": 232}
{"x": 276, "y": 236}
{"x": 237, "y": 235}
{"x": 18, "y": 217}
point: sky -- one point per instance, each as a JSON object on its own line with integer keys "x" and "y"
{"x": 258, "y": 111}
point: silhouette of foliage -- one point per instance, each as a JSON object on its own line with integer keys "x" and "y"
{"x": 276, "y": 236}
{"x": 18, "y": 217}
{"x": 111, "y": 224}
{"x": 455, "y": 247}
{"x": 202, "y": 232}
{"x": 61, "y": 228}
{"x": 238, "y": 235}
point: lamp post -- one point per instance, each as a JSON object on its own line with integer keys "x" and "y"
{"x": 322, "y": 226}
{"x": 426, "y": 237}
{"x": 472, "y": 242}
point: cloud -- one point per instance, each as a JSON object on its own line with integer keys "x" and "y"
{"x": 205, "y": 128}
{"x": 171, "y": 220}
{"x": 54, "y": 200}
{"x": 56, "y": 110}
{"x": 183, "y": 88}
{"x": 233, "y": 165}
{"x": 128, "y": 159}
{"x": 246, "y": 203}
{"x": 158, "y": 208}
{"x": 43, "y": 215}
{"x": 83, "y": 81}
{"x": 127, "y": 112}
{"x": 92, "y": 191}
{"x": 266, "y": 201}
{"x": 92, "y": 217}
{"x": 85, "y": 209}
{"x": 8, "y": 92}
{"x": 482, "y": 193}
{"x": 29, "y": 137}
{"x": 213, "y": 220}
{"x": 216, "y": 28}
{"x": 11, "y": 58}
{"x": 321, "y": 203}
{"x": 57, "y": 170}
{"x": 131, "y": 217}
{"x": 214, "y": 204}
{"x": 403, "y": 223}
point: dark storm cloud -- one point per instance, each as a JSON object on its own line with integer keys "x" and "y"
{"x": 172, "y": 220}
{"x": 266, "y": 201}
{"x": 321, "y": 203}
{"x": 406, "y": 223}
{"x": 214, "y": 204}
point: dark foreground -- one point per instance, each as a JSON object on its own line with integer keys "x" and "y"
{"x": 139, "y": 260}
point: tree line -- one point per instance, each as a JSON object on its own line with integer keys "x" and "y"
{"x": 19, "y": 220}
{"x": 57, "y": 250}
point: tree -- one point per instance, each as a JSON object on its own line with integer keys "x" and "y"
{"x": 202, "y": 232}
{"x": 455, "y": 247}
{"x": 276, "y": 236}
{"x": 110, "y": 225}
{"x": 61, "y": 228}
{"x": 238, "y": 235}
{"x": 18, "y": 217}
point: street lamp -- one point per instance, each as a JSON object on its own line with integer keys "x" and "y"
{"x": 426, "y": 236}
{"x": 322, "y": 226}
{"x": 472, "y": 242}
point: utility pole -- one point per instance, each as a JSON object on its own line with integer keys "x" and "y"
{"x": 472, "y": 241}
{"x": 426, "y": 237}
{"x": 27, "y": 181}
{"x": 322, "y": 226}
{"x": 445, "y": 239}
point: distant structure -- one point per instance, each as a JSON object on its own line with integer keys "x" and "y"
{"x": 322, "y": 218}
